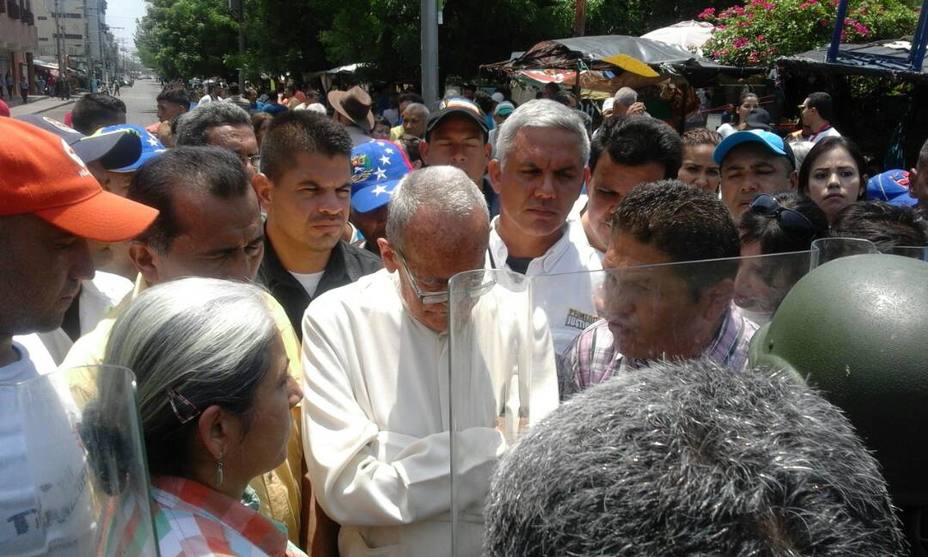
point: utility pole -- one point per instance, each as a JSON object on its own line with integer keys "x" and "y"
{"x": 429, "y": 19}
{"x": 237, "y": 7}
{"x": 580, "y": 18}
{"x": 59, "y": 38}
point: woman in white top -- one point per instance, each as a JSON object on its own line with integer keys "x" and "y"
{"x": 749, "y": 102}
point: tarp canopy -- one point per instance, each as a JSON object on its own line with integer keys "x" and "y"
{"x": 879, "y": 59}
{"x": 691, "y": 35}
{"x": 590, "y": 53}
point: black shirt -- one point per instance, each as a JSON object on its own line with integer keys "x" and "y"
{"x": 346, "y": 264}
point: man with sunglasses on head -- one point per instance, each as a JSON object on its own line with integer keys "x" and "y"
{"x": 751, "y": 163}
{"x": 375, "y": 420}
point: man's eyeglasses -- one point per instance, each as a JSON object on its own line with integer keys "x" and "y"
{"x": 427, "y": 298}
{"x": 790, "y": 220}
{"x": 483, "y": 285}
{"x": 255, "y": 160}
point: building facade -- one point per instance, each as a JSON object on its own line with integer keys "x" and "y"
{"x": 74, "y": 33}
{"x": 18, "y": 43}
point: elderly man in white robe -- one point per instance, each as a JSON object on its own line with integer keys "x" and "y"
{"x": 378, "y": 388}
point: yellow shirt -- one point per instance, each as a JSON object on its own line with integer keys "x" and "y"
{"x": 279, "y": 490}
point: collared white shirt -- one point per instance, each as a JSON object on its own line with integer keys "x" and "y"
{"x": 827, "y": 132}
{"x": 568, "y": 300}
{"x": 376, "y": 428}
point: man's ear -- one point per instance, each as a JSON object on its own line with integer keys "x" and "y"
{"x": 495, "y": 170}
{"x": 793, "y": 180}
{"x": 263, "y": 188}
{"x": 145, "y": 260}
{"x": 388, "y": 254}
{"x": 424, "y": 151}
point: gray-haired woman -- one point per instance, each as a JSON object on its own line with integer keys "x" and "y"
{"x": 214, "y": 398}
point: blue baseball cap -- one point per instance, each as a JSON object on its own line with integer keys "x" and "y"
{"x": 151, "y": 147}
{"x": 376, "y": 168}
{"x": 773, "y": 142}
{"x": 891, "y": 186}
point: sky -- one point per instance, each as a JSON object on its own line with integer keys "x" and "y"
{"x": 123, "y": 13}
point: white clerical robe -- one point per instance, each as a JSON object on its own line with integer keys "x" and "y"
{"x": 377, "y": 431}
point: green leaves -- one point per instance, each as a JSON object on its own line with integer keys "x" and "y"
{"x": 759, "y": 31}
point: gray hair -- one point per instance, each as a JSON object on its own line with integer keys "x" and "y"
{"x": 541, "y": 113}
{"x": 445, "y": 190}
{"x": 418, "y": 107}
{"x": 692, "y": 459}
{"x": 626, "y": 96}
{"x": 193, "y": 127}
{"x": 191, "y": 343}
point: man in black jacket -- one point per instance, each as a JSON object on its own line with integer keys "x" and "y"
{"x": 305, "y": 187}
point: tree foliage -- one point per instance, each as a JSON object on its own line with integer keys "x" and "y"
{"x": 759, "y": 31}
{"x": 184, "y": 38}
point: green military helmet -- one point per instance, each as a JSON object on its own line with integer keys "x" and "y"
{"x": 857, "y": 328}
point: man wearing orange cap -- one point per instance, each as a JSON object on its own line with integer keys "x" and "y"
{"x": 50, "y": 206}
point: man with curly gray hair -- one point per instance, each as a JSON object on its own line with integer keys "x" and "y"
{"x": 223, "y": 125}
{"x": 690, "y": 459}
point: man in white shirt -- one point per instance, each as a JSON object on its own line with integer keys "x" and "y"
{"x": 539, "y": 169}
{"x": 816, "y": 114}
{"x": 50, "y": 205}
{"x": 376, "y": 418}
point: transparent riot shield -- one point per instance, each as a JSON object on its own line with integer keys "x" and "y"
{"x": 521, "y": 345}
{"x": 73, "y": 480}
{"x": 828, "y": 249}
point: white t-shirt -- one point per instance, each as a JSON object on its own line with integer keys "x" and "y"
{"x": 44, "y": 500}
{"x": 309, "y": 281}
{"x": 725, "y": 130}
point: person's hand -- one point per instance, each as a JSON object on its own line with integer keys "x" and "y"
{"x": 636, "y": 108}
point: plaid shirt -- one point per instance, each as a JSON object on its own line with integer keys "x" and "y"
{"x": 194, "y": 520}
{"x": 592, "y": 358}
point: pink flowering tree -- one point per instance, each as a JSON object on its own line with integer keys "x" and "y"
{"x": 759, "y": 31}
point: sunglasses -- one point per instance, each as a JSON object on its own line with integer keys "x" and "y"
{"x": 789, "y": 219}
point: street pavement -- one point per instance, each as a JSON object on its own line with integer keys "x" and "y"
{"x": 139, "y": 99}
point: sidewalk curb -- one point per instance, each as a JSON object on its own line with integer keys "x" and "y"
{"x": 46, "y": 109}
{"x": 53, "y": 107}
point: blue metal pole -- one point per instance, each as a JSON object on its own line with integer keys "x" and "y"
{"x": 919, "y": 40}
{"x": 836, "y": 34}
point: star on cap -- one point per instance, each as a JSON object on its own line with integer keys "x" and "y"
{"x": 381, "y": 174}
{"x": 152, "y": 141}
{"x": 385, "y": 160}
{"x": 388, "y": 151}
{"x": 379, "y": 190}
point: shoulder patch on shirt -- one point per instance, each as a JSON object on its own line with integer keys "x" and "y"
{"x": 579, "y": 320}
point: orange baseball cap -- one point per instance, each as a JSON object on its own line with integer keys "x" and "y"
{"x": 43, "y": 176}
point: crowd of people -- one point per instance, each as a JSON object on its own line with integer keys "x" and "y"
{"x": 321, "y": 306}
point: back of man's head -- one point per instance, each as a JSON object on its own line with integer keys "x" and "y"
{"x": 193, "y": 127}
{"x": 175, "y": 95}
{"x": 822, "y": 103}
{"x": 204, "y": 171}
{"x": 97, "y": 110}
{"x": 626, "y": 96}
{"x": 692, "y": 459}
{"x": 301, "y": 131}
{"x": 639, "y": 140}
{"x": 887, "y": 226}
